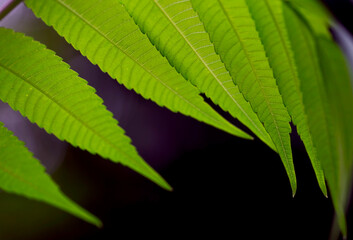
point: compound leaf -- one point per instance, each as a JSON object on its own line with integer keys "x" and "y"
{"x": 176, "y": 30}
{"x": 105, "y": 33}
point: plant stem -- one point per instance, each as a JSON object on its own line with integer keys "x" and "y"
{"x": 8, "y": 7}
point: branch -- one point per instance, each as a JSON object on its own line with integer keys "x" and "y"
{"x": 8, "y": 7}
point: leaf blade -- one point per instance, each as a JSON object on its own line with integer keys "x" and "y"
{"x": 316, "y": 14}
{"x": 339, "y": 91}
{"x": 22, "y": 174}
{"x": 316, "y": 102}
{"x": 43, "y": 88}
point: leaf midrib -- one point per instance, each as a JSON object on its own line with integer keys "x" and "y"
{"x": 134, "y": 60}
{"x": 295, "y": 77}
{"x": 283, "y": 42}
{"x": 205, "y": 64}
{"x": 256, "y": 76}
{"x": 317, "y": 76}
{"x": 68, "y": 112}
{"x": 292, "y": 69}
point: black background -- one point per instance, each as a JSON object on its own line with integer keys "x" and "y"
{"x": 224, "y": 187}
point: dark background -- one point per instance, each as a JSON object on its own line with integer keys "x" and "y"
{"x": 224, "y": 187}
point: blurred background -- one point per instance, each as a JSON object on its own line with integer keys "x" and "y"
{"x": 224, "y": 187}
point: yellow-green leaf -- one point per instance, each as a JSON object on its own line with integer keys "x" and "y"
{"x": 237, "y": 41}
{"x": 316, "y": 103}
{"x": 22, "y": 174}
{"x": 178, "y": 33}
{"x": 269, "y": 19}
{"x": 105, "y": 33}
{"x": 37, "y": 83}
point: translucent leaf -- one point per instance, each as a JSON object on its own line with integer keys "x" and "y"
{"x": 316, "y": 104}
{"x": 105, "y": 33}
{"x": 22, "y": 174}
{"x": 176, "y": 30}
{"x": 268, "y": 16}
{"x": 233, "y": 32}
{"x": 339, "y": 90}
{"x": 43, "y": 88}
{"x": 314, "y": 7}
{"x": 315, "y": 13}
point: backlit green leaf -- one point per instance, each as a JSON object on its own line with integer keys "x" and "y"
{"x": 38, "y": 84}
{"x": 315, "y": 13}
{"x": 176, "y": 30}
{"x": 339, "y": 91}
{"x": 274, "y": 36}
{"x": 236, "y": 40}
{"x": 316, "y": 104}
{"x": 105, "y": 33}
{"x": 22, "y": 174}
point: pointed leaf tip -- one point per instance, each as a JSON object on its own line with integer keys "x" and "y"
{"x": 240, "y": 48}
{"x": 22, "y": 174}
{"x": 191, "y": 46}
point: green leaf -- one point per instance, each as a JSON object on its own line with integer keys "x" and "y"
{"x": 273, "y": 34}
{"x": 43, "y": 88}
{"x": 317, "y": 16}
{"x": 339, "y": 91}
{"x": 339, "y": 86}
{"x": 316, "y": 104}
{"x": 236, "y": 40}
{"x": 22, "y": 174}
{"x": 105, "y": 33}
{"x": 177, "y": 32}
{"x": 312, "y": 7}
